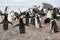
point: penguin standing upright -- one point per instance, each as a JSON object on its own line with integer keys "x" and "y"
{"x": 5, "y": 22}
{"x": 37, "y": 22}
{"x": 53, "y": 26}
{"x": 33, "y": 20}
{"x": 27, "y": 18}
{"x": 21, "y": 26}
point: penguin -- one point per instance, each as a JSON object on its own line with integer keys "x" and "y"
{"x": 37, "y": 22}
{"x": 21, "y": 26}
{"x": 53, "y": 26}
{"x": 27, "y": 18}
{"x": 30, "y": 16}
{"x": 5, "y": 22}
{"x": 33, "y": 19}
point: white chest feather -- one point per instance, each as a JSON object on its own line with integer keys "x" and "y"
{"x": 36, "y": 23}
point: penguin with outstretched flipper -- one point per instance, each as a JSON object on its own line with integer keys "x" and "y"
{"x": 21, "y": 26}
{"x": 5, "y": 22}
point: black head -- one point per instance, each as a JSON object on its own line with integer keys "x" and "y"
{"x": 21, "y": 20}
{"x": 5, "y": 16}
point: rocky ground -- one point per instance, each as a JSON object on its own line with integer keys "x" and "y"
{"x": 32, "y": 33}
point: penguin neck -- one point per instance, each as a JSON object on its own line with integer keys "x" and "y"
{"x": 6, "y": 17}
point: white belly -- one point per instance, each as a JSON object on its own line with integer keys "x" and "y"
{"x": 1, "y": 18}
{"x": 10, "y": 18}
{"x": 29, "y": 20}
{"x": 36, "y": 23}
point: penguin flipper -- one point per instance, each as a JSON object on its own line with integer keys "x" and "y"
{"x": 1, "y": 22}
{"x": 10, "y": 22}
{"x": 2, "y": 14}
{"x": 19, "y": 15}
{"x": 16, "y": 25}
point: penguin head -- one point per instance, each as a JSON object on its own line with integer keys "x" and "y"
{"x": 20, "y": 20}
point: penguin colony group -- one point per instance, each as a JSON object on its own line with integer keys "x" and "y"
{"x": 33, "y": 16}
